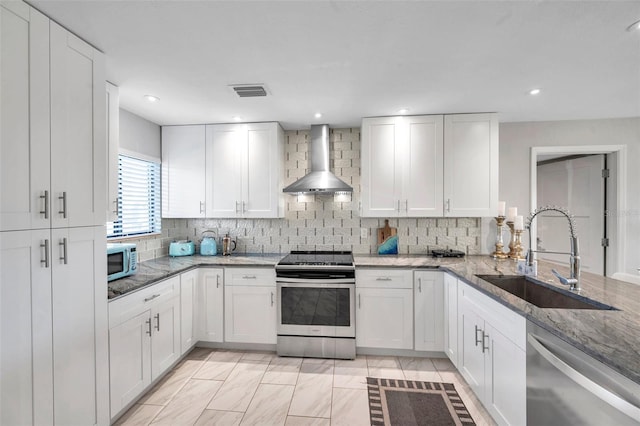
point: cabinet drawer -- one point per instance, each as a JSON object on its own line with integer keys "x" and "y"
{"x": 126, "y": 307}
{"x": 250, "y": 277}
{"x": 384, "y": 278}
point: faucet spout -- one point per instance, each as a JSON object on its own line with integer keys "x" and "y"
{"x": 574, "y": 256}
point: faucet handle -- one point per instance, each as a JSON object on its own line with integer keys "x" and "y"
{"x": 571, "y": 282}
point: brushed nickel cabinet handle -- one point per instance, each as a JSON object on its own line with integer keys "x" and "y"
{"x": 481, "y": 339}
{"x": 359, "y": 302}
{"x": 63, "y": 198}
{"x": 485, "y": 346}
{"x": 148, "y": 321}
{"x": 147, "y": 299}
{"x": 420, "y": 285}
{"x": 217, "y": 281}
{"x": 45, "y": 246}
{"x": 271, "y": 298}
{"x": 201, "y": 207}
{"x": 63, "y": 244}
{"x": 45, "y": 198}
{"x": 157, "y": 316}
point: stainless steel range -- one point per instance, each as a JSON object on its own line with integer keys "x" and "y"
{"x": 316, "y": 305}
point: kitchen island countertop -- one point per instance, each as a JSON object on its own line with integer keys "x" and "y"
{"x": 611, "y": 336}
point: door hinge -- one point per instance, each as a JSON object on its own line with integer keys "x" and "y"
{"x": 605, "y": 242}
{"x": 605, "y": 173}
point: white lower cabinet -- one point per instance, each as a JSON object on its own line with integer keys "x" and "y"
{"x": 492, "y": 355}
{"x": 250, "y": 313}
{"x": 451, "y": 317}
{"x": 428, "y": 304}
{"x": 144, "y": 339}
{"x": 188, "y": 302}
{"x": 384, "y": 308}
{"x": 209, "y": 307}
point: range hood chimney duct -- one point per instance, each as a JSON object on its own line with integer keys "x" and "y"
{"x": 320, "y": 180}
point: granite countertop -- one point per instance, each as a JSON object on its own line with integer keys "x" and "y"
{"x": 613, "y": 337}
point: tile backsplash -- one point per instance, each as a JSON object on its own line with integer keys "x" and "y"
{"x": 321, "y": 222}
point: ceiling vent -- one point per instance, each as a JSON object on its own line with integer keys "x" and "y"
{"x": 249, "y": 90}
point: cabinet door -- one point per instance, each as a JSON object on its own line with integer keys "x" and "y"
{"x": 113, "y": 141}
{"x": 78, "y": 110}
{"x": 183, "y": 171}
{"x": 130, "y": 360}
{"x": 26, "y": 388}
{"x": 226, "y": 146}
{"x": 422, "y": 167}
{"x": 210, "y": 305}
{"x": 429, "y": 311}
{"x": 506, "y": 379}
{"x": 24, "y": 118}
{"x": 80, "y": 353}
{"x": 250, "y": 314}
{"x": 261, "y": 171}
{"x": 188, "y": 288}
{"x": 471, "y": 352}
{"x": 384, "y": 318}
{"x": 165, "y": 336}
{"x": 471, "y": 165}
{"x": 381, "y": 167}
{"x": 451, "y": 317}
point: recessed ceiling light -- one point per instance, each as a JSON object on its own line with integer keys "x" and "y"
{"x": 237, "y": 118}
{"x": 318, "y": 115}
{"x": 534, "y": 91}
{"x": 151, "y": 98}
{"x": 403, "y": 111}
{"x": 633, "y": 27}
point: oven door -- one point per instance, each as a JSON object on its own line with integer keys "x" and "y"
{"x": 318, "y": 308}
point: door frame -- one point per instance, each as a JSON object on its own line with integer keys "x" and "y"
{"x": 621, "y": 190}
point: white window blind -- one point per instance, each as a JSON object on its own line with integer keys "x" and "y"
{"x": 138, "y": 198}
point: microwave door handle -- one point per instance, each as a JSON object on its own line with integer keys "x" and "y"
{"x": 594, "y": 388}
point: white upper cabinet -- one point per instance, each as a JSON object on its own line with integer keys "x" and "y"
{"x": 113, "y": 142}
{"x": 183, "y": 171}
{"x": 402, "y": 166}
{"x": 471, "y": 165}
{"x": 245, "y": 170}
{"x": 78, "y": 134}
{"x": 24, "y": 118}
{"x": 430, "y": 166}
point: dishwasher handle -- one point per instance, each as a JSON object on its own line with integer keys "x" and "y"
{"x": 594, "y": 388}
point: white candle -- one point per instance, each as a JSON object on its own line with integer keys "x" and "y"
{"x": 512, "y": 212}
{"x": 518, "y": 224}
{"x": 501, "y": 208}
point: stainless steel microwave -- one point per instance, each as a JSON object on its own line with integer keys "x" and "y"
{"x": 122, "y": 260}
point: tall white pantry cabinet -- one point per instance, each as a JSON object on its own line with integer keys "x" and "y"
{"x": 53, "y": 301}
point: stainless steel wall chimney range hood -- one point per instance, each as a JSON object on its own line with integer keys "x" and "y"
{"x": 320, "y": 180}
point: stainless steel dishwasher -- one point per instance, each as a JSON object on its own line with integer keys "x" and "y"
{"x": 565, "y": 386}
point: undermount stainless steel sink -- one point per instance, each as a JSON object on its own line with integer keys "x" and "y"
{"x": 541, "y": 295}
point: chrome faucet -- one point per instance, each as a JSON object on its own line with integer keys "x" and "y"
{"x": 573, "y": 281}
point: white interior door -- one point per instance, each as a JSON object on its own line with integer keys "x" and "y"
{"x": 578, "y": 186}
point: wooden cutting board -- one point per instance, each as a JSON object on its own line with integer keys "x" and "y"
{"x": 385, "y": 232}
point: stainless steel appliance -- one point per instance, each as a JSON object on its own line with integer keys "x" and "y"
{"x": 316, "y": 305}
{"x": 565, "y": 386}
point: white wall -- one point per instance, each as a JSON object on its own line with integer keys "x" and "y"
{"x": 139, "y": 137}
{"x": 516, "y": 140}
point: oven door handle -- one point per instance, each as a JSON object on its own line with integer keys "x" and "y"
{"x": 324, "y": 282}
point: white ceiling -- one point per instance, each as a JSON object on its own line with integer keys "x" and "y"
{"x": 351, "y": 59}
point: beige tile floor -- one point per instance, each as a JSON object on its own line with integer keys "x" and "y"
{"x": 223, "y": 387}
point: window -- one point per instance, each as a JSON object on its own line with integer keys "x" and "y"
{"x": 138, "y": 198}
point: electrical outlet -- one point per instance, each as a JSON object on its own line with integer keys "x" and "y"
{"x": 364, "y": 233}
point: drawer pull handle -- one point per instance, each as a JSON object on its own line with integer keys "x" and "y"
{"x": 217, "y": 281}
{"x": 271, "y": 298}
{"x": 146, "y": 299}
{"x": 149, "y": 325}
{"x": 359, "y": 302}
{"x": 485, "y": 346}
{"x": 248, "y": 277}
{"x": 420, "y": 285}
{"x": 157, "y": 322}
{"x": 383, "y": 279}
